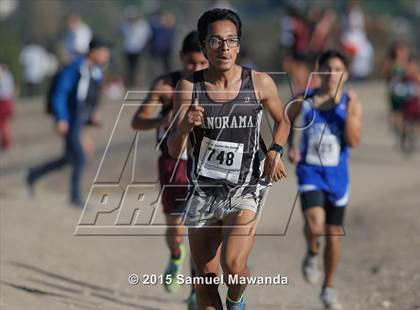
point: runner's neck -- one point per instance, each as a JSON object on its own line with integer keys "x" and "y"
{"x": 223, "y": 78}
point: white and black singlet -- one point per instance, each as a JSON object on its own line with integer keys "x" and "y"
{"x": 225, "y": 155}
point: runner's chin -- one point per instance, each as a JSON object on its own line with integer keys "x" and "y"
{"x": 333, "y": 83}
{"x": 223, "y": 64}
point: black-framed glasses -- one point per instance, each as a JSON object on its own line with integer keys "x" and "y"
{"x": 215, "y": 43}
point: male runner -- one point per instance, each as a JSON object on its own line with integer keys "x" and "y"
{"x": 334, "y": 119}
{"x": 171, "y": 171}
{"x": 220, "y": 110}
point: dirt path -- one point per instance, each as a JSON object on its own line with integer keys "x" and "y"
{"x": 44, "y": 266}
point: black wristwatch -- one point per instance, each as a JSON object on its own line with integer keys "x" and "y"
{"x": 277, "y": 148}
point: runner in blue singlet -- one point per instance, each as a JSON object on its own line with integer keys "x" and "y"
{"x": 331, "y": 123}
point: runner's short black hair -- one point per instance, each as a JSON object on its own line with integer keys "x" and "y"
{"x": 214, "y": 15}
{"x": 327, "y": 55}
{"x": 191, "y": 43}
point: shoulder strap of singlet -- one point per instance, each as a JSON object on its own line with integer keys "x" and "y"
{"x": 344, "y": 98}
{"x": 246, "y": 78}
{"x": 201, "y": 81}
{"x": 247, "y": 85}
{"x": 197, "y": 84}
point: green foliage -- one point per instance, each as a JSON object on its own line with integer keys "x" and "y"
{"x": 10, "y": 49}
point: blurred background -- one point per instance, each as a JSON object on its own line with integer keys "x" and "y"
{"x": 43, "y": 266}
{"x": 62, "y": 28}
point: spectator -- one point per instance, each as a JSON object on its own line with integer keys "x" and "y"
{"x": 294, "y": 39}
{"x": 77, "y": 37}
{"x": 7, "y": 92}
{"x": 73, "y": 105}
{"x": 394, "y": 71}
{"x": 162, "y": 41}
{"x": 355, "y": 42}
{"x": 136, "y": 32}
{"x": 411, "y": 107}
{"x": 321, "y": 25}
{"x": 294, "y": 35}
{"x": 37, "y": 65}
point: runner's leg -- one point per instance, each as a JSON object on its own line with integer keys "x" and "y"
{"x": 238, "y": 240}
{"x": 314, "y": 214}
{"x": 5, "y": 134}
{"x": 314, "y": 227}
{"x": 205, "y": 251}
{"x": 334, "y": 232}
{"x": 78, "y": 159}
{"x": 174, "y": 233}
{"x": 332, "y": 252}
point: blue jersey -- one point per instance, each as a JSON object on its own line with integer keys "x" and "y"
{"x": 324, "y": 151}
{"x": 75, "y": 93}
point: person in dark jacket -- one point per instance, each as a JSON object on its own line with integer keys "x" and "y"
{"x": 73, "y": 102}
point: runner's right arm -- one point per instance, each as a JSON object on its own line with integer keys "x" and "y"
{"x": 292, "y": 113}
{"x": 186, "y": 115}
{"x": 143, "y": 119}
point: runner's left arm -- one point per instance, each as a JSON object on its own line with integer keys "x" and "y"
{"x": 353, "y": 126}
{"x": 292, "y": 112}
{"x": 267, "y": 93}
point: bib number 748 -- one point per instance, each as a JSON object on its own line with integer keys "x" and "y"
{"x": 220, "y": 159}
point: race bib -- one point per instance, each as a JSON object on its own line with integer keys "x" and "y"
{"x": 220, "y": 160}
{"x": 324, "y": 153}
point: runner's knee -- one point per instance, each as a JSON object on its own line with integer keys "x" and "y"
{"x": 333, "y": 232}
{"x": 233, "y": 265}
{"x": 316, "y": 227}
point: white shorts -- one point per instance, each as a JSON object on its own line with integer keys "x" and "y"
{"x": 207, "y": 210}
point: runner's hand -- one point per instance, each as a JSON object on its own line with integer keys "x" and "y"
{"x": 274, "y": 168}
{"x": 293, "y": 154}
{"x": 95, "y": 121}
{"x": 62, "y": 127}
{"x": 193, "y": 118}
{"x": 354, "y": 107}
